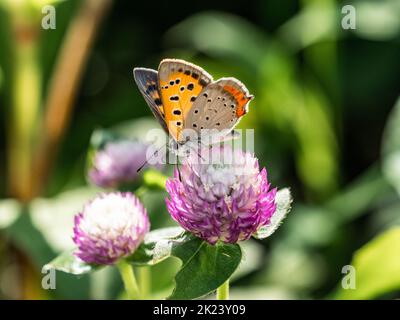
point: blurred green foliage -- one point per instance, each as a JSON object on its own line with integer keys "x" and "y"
{"x": 377, "y": 266}
{"x": 326, "y": 123}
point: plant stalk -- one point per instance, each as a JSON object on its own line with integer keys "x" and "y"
{"x": 144, "y": 277}
{"x": 223, "y": 291}
{"x": 128, "y": 277}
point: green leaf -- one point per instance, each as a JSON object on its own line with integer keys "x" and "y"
{"x": 204, "y": 267}
{"x": 69, "y": 263}
{"x": 220, "y": 29}
{"x": 391, "y": 148}
{"x": 157, "y": 245}
{"x": 377, "y": 267}
{"x": 283, "y": 205}
{"x": 24, "y": 235}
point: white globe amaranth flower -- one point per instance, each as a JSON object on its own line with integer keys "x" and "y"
{"x": 110, "y": 227}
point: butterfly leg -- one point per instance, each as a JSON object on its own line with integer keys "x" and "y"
{"x": 177, "y": 168}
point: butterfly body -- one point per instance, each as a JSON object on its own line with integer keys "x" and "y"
{"x": 183, "y": 97}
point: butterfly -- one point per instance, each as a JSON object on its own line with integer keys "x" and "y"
{"x": 183, "y": 96}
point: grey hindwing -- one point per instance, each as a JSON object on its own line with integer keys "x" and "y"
{"x": 147, "y": 82}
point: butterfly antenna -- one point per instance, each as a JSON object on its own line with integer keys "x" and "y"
{"x": 152, "y": 156}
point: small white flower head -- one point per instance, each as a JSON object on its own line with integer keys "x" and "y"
{"x": 110, "y": 227}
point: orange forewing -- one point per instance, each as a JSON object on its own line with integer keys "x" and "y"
{"x": 178, "y": 94}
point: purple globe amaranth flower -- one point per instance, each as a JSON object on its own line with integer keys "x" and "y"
{"x": 110, "y": 227}
{"x": 117, "y": 163}
{"x": 221, "y": 195}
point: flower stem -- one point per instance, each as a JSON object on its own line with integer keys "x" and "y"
{"x": 141, "y": 191}
{"x": 128, "y": 277}
{"x": 223, "y": 291}
{"x": 144, "y": 281}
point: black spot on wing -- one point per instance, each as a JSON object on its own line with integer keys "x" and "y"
{"x": 203, "y": 82}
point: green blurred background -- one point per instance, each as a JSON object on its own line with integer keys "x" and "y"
{"x": 325, "y": 115}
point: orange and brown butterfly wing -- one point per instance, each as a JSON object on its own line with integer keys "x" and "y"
{"x": 180, "y": 83}
{"x": 220, "y": 106}
{"x": 147, "y": 82}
